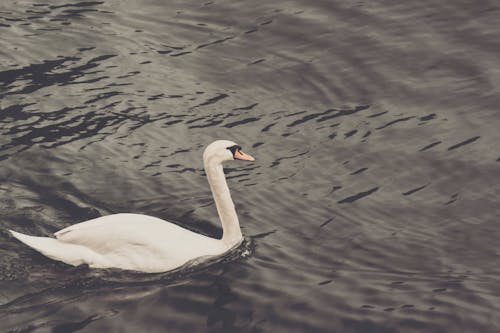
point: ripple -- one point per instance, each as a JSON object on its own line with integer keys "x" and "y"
{"x": 463, "y": 143}
{"x": 414, "y": 190}
{"x": 429, "y": 146}
{"x": 358, "y": 196}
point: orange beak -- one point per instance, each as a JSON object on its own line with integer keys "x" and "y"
{"x": 239, "y": 155}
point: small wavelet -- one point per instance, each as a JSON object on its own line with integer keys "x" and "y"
{"x": 414, "y": 190}
{"x": 463, "y": 143}
{"x": 358, "y": 196}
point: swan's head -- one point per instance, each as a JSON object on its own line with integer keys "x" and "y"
{"x": 224, "y": 150}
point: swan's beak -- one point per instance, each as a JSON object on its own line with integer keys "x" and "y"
{"x": 239, "y": 155}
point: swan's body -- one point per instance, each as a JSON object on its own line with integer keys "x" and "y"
{"x": 145, "y": 243}
{"x": 127, "y": 241}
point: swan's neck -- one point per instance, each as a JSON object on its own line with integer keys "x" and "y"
{"x": 231, "y": 232}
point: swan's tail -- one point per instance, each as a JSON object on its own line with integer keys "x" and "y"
{"x": 71, "y": 254}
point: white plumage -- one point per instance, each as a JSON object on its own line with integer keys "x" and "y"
{"x": 145, "y": 243}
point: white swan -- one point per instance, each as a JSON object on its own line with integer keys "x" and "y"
{"x": 145, "y": 243}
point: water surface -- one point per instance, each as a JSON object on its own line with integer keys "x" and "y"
{"x": 373, "y": 203}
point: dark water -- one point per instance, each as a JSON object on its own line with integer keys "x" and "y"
{"x": 373, "y": 203}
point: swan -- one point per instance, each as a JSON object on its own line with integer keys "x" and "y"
{"x": 145, "y": 243}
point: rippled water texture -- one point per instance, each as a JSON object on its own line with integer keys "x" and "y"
{"x": 373, "y": 205}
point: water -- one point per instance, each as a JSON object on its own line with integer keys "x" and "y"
{"x": 373, "y": 203}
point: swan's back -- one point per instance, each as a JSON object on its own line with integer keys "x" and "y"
{"x": 126, "y": 241}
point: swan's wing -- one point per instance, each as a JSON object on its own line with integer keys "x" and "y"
{"x": 101, "y": 238}
{"x": 114, "y": 232}
{"x": 139, "y": 242}
{"x": 107, "y": 233}
{"x": 97, "y": 222}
